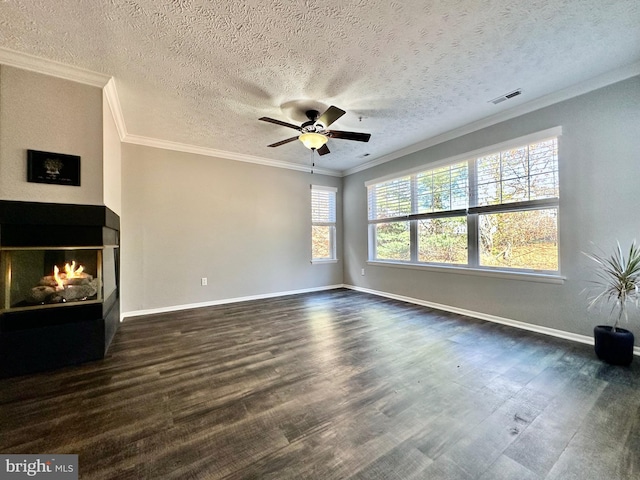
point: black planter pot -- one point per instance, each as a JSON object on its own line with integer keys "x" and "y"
{"x": 612, "y": 347}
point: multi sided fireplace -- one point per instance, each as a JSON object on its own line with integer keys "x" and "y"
{"x": 59, "y": 284}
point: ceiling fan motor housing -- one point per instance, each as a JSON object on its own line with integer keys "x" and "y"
{"x": 312, "y": 125}
{"x": 312, "y": 115}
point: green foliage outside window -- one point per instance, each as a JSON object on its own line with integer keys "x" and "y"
{"x": 321, "y": 241}
{"x": 443, "y": 240}
{"x": 392, "y": 241}
{"x": 527, "y": 240}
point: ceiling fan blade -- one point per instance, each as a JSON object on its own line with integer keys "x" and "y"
{"x": 278, "y": 122}
{"x": 330, "y": 115}
{"x": 282, "y": 142}
{"x": 357, "y": 136}
{"x": 323, "y": 150}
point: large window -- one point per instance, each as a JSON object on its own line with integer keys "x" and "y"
{"x": 493, "y": 209}
{"x": 323, "y": 223}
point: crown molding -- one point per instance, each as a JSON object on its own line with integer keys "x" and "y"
{"x": 111, "y": 94}
{"x": 26, "y": 61}
{"x": 211, "y": 152}
{"x": 587, "y": 86}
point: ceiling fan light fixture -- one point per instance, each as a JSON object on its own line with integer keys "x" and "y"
{"x": 313, "y": 141}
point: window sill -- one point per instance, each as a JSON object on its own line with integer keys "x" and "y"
{"x": 523, "y": 276}
{"x": 324, "y": 260}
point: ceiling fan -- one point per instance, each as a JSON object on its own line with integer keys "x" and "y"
{"x": 314, "y": 134}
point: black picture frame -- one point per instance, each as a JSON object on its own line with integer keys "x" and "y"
{"x": 53, "y": 168}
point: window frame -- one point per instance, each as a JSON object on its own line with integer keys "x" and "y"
{"x": 330, "y": 222}
{"x": 471, "y": 212}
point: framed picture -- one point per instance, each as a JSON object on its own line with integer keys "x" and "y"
{"x": 56, "y": 168}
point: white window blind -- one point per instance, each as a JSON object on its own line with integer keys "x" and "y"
{"x": 442, "y": 189}
{"x": 521, "y": 174}
{"x": 323, "y": 205}
{"x": 323, "y": 223}
{"x": 390, "y": 199}
{"x": 425, "y": 193}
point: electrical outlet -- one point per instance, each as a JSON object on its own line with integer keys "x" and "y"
{"x": 362, "y": 272}
{"x": 203, "y": 281}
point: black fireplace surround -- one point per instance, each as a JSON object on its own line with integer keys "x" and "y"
{"x": 59, "y": 284}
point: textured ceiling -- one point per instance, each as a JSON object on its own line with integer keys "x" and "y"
{"x": 202, "y": 72}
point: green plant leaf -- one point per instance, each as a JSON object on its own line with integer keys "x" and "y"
{"x": 617, "y": 279}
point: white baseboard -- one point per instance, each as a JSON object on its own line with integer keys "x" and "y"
{"x": 175, "y": 308}
{"x": 484, "y": 316}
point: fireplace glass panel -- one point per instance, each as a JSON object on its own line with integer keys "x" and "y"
{"x": 109, "y": 271}
{"x": 52, "y": 277}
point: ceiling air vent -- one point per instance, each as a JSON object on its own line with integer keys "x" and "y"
{"x": 506, "y": 96}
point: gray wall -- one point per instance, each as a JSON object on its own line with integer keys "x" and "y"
{"x": 39, "y": 112}
{"x": 246, "y": 227}
{"x": 600, "y": 203}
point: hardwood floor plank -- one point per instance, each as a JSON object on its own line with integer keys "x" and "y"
{"x": 504, "y": 468}
{"x": 398, "y": 464}
{"x": 540, "y": 446}
{"x": 602, "y": 444}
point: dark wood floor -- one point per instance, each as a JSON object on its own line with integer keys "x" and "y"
{"x": 331, "y": 385}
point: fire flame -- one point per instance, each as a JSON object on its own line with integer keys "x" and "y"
{"x": 56, "y": 276}
{"x": 70, "y": 271}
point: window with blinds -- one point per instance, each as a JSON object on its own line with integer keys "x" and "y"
{"x": 494, "y": 209}
{"x": 323, "y": 223}
{"x": 521, "y": 174}
{"x": 390, "y": 199}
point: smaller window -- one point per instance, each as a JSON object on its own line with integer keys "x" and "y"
{"x": 323, "y": 223}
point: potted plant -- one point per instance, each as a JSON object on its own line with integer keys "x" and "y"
{"x": 617, "y": 284}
